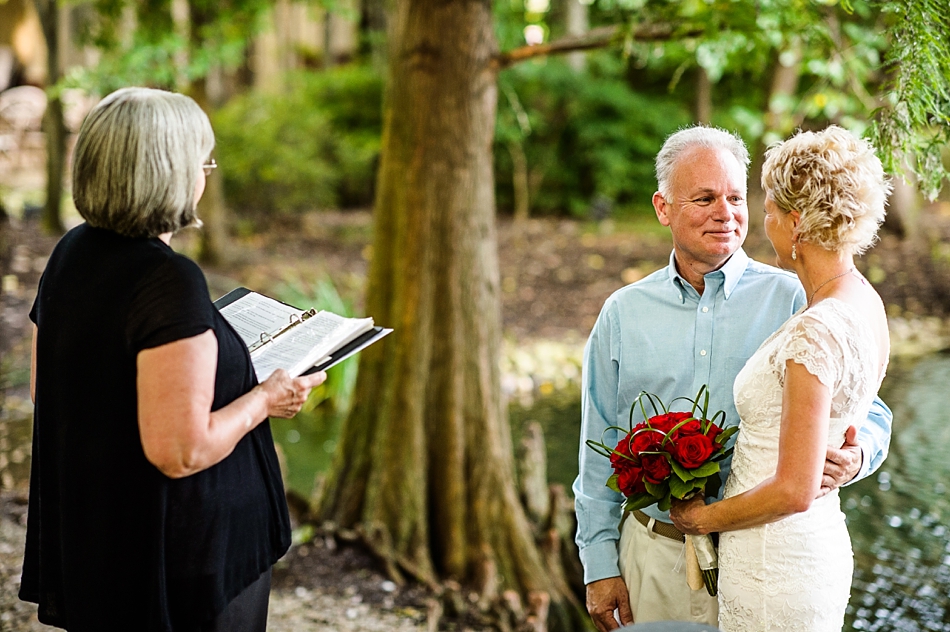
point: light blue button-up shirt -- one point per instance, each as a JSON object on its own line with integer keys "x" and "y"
{"x": 661, "y": 336}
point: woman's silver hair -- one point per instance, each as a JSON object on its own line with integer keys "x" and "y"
{"x": 697, "y": 136}
{"x": 136, "y": 162}
{"x": 837, "y": 184}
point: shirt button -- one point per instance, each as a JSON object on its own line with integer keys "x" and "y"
{"x": 705, "y": 309}
{"x": 703, "y": 352}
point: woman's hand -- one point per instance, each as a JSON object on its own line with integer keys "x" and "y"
{"x": 687, "y": 515}
{"x": 286, "y": 395}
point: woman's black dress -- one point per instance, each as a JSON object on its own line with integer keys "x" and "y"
{"x": 112, "y": 543}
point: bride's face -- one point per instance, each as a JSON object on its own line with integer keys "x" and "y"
{"x": 780, "y": 229}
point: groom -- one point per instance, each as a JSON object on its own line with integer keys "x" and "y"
{"x": 694, "y": 322}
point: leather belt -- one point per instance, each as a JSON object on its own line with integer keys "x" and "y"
{"x": 659, "y": 527}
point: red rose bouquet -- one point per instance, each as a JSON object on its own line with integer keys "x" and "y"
{"x": 670, "y": 455}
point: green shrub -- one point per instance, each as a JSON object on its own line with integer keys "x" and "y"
{"x": 337, "y": 390}
{"x": 314, "y": 146}
{"x": 586, "y": 135}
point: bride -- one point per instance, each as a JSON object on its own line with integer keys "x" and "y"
{"x": 785, "y": 557}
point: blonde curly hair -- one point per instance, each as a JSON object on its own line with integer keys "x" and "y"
{"x": 837, "y": 184}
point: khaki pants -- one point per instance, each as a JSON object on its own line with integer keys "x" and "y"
{"x": 657, "y": 591}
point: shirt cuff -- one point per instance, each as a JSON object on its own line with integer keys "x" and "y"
{"x": 600, "y": 561}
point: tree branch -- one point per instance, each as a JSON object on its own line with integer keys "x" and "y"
{"x": 600, "y": 37}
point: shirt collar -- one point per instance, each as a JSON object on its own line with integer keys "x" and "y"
{"x": 732, "y": 271}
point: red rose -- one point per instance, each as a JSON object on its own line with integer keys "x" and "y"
{"x": 646, "y": 440}
{"x": 656, "y": 468}
{"x": 630, "y": 481}
{"x": 627, "y": 452}
{"x": 690, "y": 428}
{"x": 667, "y": 421}
{"x": 691, "y": 451}
{"x": 623, "y": 455}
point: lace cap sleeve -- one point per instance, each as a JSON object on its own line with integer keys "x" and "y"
{"x": 810, "y": 341}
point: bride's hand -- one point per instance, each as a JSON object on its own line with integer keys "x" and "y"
{"x": 687, "y": 515}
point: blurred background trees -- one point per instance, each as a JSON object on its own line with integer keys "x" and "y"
{"x": 575, "y": 134}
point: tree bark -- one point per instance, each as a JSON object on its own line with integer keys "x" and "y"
{"x": 577, "y": 23}
{"x": 520, "y": 180}
{"x": 213, "y": 248}
{"x": 53, "y": 123}
{"x": 424, "y": 468}
{"x": 703, "y": 96}
{"x": 785, "y": 76}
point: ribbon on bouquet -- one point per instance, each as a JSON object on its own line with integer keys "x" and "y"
{"x": 702, "y": 564}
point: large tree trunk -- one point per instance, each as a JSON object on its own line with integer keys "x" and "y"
{"x": 214, "y": 244}
{"x": 424, "y": 469}
{"x": 53, "y": 123}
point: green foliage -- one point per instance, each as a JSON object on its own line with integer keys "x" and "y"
{"x": 316, "y": 146}
{"x": 838, "y": 46}
{"x": 337, "y": 390}
{"x": 913, "y": 129}
{"x": 586, "y": 135}
{"x": 158, "y": 52}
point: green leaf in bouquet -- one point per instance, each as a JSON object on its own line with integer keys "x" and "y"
{"x": 719, "y": 419}
{"x": 665, "y": 503}
{"x": 669, "y": 435}
{"x": 725, "y": 454}
{"x": 600, "y": 448}
{"x": 681, "y": 472}
{"x": 655, "y": 402}
{"x": 638, "y": 501}
{"x": 612, "y": 483}
{"x": 706, "y": 469}
{"x": 679, "y": 489}
{"x": 657, "y": 491}
{"x": 726, "y": 434}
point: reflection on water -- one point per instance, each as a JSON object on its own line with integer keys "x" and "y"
{"x": 898, "y": 518}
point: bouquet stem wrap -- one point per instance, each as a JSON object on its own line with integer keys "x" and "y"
{"x": 702, "y": 563}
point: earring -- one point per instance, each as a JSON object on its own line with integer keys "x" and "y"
{"x": 794, "y": 253}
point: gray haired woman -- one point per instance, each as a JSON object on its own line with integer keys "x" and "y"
{"x": 155, "y": 495}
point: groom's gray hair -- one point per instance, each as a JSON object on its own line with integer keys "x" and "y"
{"x": 696, "y": 136}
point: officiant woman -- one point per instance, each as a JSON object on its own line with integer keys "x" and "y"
{"x": 156, "y": 502}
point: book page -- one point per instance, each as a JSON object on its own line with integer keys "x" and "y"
{"x": 254, "y": 314}
{"x": 301, "y": 346}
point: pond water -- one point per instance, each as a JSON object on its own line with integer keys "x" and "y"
{"x": 898, "y": 518}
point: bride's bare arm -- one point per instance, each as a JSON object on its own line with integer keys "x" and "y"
{"x": 803, "y": 445}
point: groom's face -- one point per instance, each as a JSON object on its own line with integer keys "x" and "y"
{"x": 706, "y": 207}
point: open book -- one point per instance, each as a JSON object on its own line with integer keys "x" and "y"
{"x": 280, "y": 336}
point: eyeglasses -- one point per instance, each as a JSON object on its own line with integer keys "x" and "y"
{"x": 209, "y": 167}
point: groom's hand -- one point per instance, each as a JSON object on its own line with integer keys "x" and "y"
{"x": 842, "y": 464}
{"x": 603, "y": 597}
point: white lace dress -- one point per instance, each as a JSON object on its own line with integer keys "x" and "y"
{"x": 795, "y": 574}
